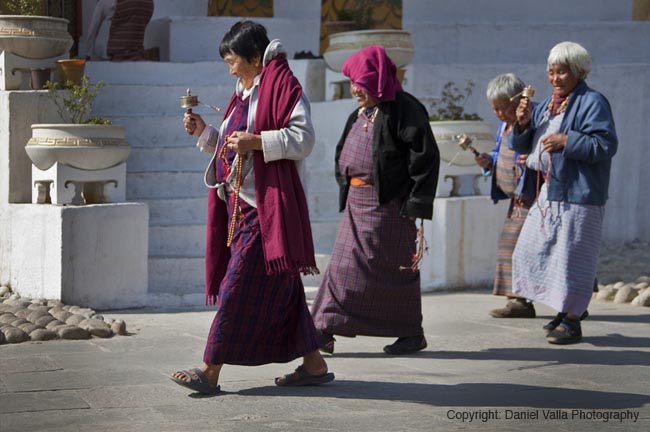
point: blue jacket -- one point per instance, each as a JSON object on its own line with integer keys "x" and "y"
{"x": 579, "y": 173}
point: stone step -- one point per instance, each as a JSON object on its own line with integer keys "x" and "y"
{"x": 195, "y": 75}
{"x": 183, "y": 39}
{"x": 177, "y": 275}
{"x": 187, "y": 158}
{"x": 189, "y": 74}
{"x": 179, "y": 211}
{"x": 324, "y": 234}
{"x": 157, "y": 130}
{"x": 148, "y": 185}
{"x": 474, "y": 42}
{"x": 186, "y": 241}
{"x": 185, "y": 277}
{"x": 130, "y": 99}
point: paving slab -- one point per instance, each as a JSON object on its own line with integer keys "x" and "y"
{"x": 478, "y": 373}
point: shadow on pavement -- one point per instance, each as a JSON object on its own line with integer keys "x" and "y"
{"x": 463, "y": 395}
{"x": 557, "y": 355}
{"x": 643, "y": 319}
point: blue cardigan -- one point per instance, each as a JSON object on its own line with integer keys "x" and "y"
{"x": 580, "y": 173}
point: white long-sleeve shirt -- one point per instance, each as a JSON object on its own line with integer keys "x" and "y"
{"x": 295, "y": 142}
{"x": 104, "y": 10}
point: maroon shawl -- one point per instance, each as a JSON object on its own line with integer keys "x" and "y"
{"x": 280, "y": 198}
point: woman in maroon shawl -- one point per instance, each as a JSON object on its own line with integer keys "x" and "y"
{"x": 253, "y": 262}
{"x": 387, "y": 168}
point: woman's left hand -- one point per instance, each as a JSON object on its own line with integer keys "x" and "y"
{"x": 554, "y": 142}
{"x": 243, "y": 142}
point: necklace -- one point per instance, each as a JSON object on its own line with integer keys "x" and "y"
{"x": 560, "y": 109}
{"x": 237, "y": 187}
{"x": 370, "y": 118}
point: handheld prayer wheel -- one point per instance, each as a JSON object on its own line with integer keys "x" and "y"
{"x": 527, "y": 93}
{"x": 465, "y": 143}
{"x": 188, "y": 101}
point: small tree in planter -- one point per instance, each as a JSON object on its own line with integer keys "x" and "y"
{"x": 451, "y": 105}
{"x": 74, "y": 102}
{"x": 456, "y": 131}
{"x": 83, "y": 142}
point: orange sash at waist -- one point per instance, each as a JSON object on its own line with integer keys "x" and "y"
{"x": 356, "y": 181}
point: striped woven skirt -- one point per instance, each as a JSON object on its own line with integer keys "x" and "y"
{"x": 260, "y": 318}
{"x": 507, "y": 242}
{"x": 556, "y": 255}
{"x": 363, "y": 291}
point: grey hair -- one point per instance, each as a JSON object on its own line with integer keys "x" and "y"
{"x": 573, "y": 55}
{"x": 504, "y": 87}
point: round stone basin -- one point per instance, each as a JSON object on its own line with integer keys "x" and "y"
{"x": 397, "y": 43}
{"x": 446, "y": 133}
{"x": 82, "y": 146}
{"x": 34, "y": 37}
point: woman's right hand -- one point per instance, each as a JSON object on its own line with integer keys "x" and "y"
{"x": 484, "y": 161}
{"x": 193, "y": 124}
{"x": 523, "y": 112}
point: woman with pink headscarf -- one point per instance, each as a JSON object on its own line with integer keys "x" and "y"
{"x": 386, "y": 165}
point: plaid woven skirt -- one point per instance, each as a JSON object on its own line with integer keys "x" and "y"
{"x": 507, "y": 242}
{"x": 260, "y": 318}
{"x": 363, "y": 291}
{"x": 556, "y": 255}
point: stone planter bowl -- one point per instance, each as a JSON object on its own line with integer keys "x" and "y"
{"x": 445, "y": 133}
{"x": 34, "y": 37}
{"x": 397, "y": 43}
{"x": 82, "y": 146}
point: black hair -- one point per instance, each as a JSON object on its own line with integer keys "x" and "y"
{"x": 246, "y": 39}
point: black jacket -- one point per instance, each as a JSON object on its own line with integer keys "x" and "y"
{"x": 405, "y": 157}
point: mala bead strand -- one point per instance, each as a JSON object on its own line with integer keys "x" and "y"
{"x": 238, "y": 180}
{"x": 235, "y": 209}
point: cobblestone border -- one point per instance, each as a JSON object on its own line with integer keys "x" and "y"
{"x": 23, "y": 319}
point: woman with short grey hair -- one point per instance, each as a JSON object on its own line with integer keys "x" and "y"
{"x": 571, "y": 139}
{"x": 506, "y": 168}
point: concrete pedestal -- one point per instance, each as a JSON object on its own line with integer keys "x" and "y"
{"x": 93, "y": 256}
{"x": 62, "y": 184}
{"x": 463, "y": 239}
{"x": 15, "y": 70}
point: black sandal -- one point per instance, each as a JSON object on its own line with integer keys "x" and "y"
{"x": 303, "y": 378}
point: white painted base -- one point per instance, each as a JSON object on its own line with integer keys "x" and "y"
{"x": 93, "y": 256}
{"x": 463, "y": 239}
{"x": 62, "y": 184}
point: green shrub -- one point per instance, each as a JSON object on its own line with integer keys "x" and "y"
{"x": 74, "y": 101}
{"x": 451, "y": 104}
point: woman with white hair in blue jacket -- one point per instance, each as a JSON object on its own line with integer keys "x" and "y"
{"x": 571, "y": 139}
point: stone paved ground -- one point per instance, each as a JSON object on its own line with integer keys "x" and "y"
{"x": 478, "y": 373}
{"x": 502, "y": 371}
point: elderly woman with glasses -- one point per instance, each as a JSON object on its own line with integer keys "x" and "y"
{"x": 258, "y": 233}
